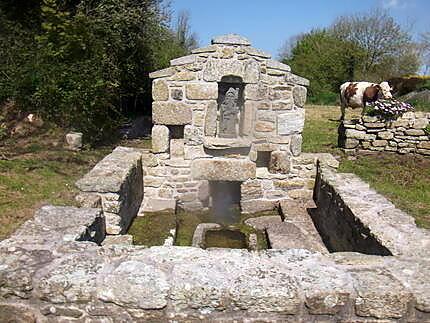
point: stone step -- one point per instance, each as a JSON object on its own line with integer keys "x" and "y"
{"x": 150, "y": 204}
{"x": 287, "y": 235}
{"x": 297, "y": 213}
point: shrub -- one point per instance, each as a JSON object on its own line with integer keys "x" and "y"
{"x": 87, "y": 66}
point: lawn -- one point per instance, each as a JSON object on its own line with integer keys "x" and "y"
{"x": 404, "y": 179}
{"x": 37, "y": 170}
{"x": 41, "y": 177}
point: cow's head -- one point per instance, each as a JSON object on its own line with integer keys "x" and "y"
{"x": 385, "y": 90}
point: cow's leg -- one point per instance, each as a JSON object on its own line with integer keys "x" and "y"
{"x": 342, "y": 108}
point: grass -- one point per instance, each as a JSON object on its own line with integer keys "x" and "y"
{"x": 320, "y": 131}
{"x": 41, "y": 178}
{"x": 36, "y": 170}
{"x": 403, "y": 179}
{"x": 152, "y": 229}
{"x": 420, "y": 105}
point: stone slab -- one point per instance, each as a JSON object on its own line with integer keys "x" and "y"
{"x": 200, "y": 231}
{"x": 231, "y": 39}
{"x": 277, "y": 65}
{"x": 158, "y": 205}
{"x": 112, "y": 171}
{"x": 291, "y": 122}
{"x": 223, "y": 169}
{"x": 171, "y": 113}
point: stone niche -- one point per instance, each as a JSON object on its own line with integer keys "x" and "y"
{"x": 230, "y": 107}
{"x": 215, "y": 113}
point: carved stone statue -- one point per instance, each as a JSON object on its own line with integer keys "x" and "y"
{"x": 229, "y": 110}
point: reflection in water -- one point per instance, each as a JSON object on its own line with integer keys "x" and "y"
{"x": 225, "y": 202}
{"x": 225, "y": 239}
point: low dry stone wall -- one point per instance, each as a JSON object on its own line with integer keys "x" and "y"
{"x": 46, "y": 275}
{"x": 405, "y": 135}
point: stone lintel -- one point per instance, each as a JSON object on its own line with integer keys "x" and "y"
{"x": 223, "y": 143}
{"x": 223, "y": 169}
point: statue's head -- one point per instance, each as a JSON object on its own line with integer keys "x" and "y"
{"x": 232, "y": 93}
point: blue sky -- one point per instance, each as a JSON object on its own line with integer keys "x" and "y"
{"x": 269, "y": 23}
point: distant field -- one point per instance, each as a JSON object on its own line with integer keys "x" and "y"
{"x": 37, "y": 171}
{"x": 405, "y": 180}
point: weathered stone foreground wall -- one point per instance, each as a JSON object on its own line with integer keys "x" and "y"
{"x": 48, "y": 276}
{"x": 404, "y": 135}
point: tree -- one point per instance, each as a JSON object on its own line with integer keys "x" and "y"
{"x": 325, "y": 60}
{"x": 86, "y": 65}
{"x": 425, "y": 47}
{"x": 388, "y": 48}
{"x": 184, "y": 36}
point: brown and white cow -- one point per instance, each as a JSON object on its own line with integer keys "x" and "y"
{"x": 356, "y": 94}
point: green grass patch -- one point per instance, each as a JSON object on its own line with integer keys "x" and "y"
{"x": 30, "y": 181}
{"x": 420, "y": 105}
{"x": 320, "y": 131}
{"x": 152, "y": 229}
{"x": 404, "y": 180}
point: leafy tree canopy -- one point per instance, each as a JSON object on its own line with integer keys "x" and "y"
{"x": 369, "y": 46}
{"x": 84, "y": 64}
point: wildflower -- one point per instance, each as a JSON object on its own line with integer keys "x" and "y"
{"x": 388, "y": 108}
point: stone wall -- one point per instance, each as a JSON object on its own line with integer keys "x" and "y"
{"x": 404, "y": 135}
{"x": 116, "y": 185}
{"x": 188, "y": 145}
{"x": 46, "y": 275}
{"x": 267, "y": 189}
{"x": 351, "y": 216}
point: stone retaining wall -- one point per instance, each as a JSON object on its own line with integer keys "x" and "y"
{"x": 405, "y": 135}
{"x": 116, "y": 185}
{"x": 351, "y": 216}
